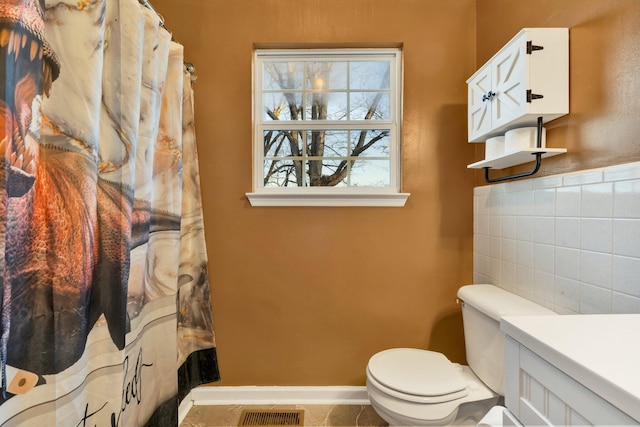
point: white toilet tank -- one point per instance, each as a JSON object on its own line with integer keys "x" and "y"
{"x": 482, "y": 308}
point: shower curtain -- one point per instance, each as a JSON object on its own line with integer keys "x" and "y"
{"x": 105, "y": 317}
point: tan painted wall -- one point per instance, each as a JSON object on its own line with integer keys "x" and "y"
{"x": 304, "y": 296}
{"x": 603, "y": 126}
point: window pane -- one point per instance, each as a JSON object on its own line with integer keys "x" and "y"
{"x": 283, "y": 173}
{"x": 328, "y": 143}
{"x": 370, "y": 143}
{"x": 326, "y": 75}
{"x": 371, "y": 173}
{"x": 327, "y": 173}
{"x": 369, "y": 75}
{"x": 280, "y": 143}
{"x": 283, "y": 75}
{"x": 301, "y": 93}
{"x": 370, "y": 106}
{"x": 282, "y": 106}
{"x": 327, "y": 106}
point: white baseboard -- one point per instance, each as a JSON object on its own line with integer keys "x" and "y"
{"x": 185, "y": 406}
{"x": 280, "y": 395}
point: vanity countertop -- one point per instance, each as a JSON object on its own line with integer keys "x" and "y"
{"x": 601, "y": 351}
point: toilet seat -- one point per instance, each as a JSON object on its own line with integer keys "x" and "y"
{"x": 415, "y": 375}
{"x": 419, "y": 408}
{"x": 414, "y": 398}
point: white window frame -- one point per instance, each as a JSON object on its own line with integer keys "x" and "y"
{"x": 328, "y": 196}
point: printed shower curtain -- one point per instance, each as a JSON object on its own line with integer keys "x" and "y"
{"x": 105, "y": 317}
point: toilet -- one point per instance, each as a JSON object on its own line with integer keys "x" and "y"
{"x": 415, "y": 387}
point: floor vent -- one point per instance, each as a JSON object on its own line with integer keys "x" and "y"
{"x": 276, "y": 417}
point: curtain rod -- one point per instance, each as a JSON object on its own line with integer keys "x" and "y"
{"x": 191, "y": 69}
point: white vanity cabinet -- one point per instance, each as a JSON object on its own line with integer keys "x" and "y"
{"x": 528, "y": 78}
{"x": 573, "y": 370}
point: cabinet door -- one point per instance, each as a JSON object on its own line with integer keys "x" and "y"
{"x": 540, "y": 394}
{"x": 479, "y": 107}
{"x": 509, "y": 69}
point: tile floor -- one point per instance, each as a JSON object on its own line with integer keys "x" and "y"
{"x": 314, "y": 415}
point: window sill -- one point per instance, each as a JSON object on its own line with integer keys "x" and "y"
{"x": 297, "y": 199}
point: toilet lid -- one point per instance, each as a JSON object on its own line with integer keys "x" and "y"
{"x": 417, "y": 372}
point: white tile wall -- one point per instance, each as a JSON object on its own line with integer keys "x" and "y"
{"x": 569, "y": 242}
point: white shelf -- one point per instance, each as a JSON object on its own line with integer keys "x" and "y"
{"x": 310, "y": 198}
{"x": 516, "y": 158}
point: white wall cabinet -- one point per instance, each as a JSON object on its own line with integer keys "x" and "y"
{"x": 528, "y": 78}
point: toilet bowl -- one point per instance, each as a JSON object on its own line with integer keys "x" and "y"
{"x": 416, "y": 387}
{"x": 499, "y": 416}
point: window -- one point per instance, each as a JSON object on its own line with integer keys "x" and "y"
{"x": 327, "y": 127}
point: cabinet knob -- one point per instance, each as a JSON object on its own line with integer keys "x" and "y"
{"x": 487, "y": 96}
